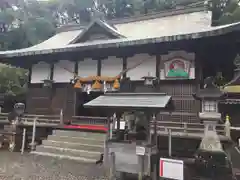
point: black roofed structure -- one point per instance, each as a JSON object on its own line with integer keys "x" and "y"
{"x": 131, "y": 100}
{"x": 179, "y": 47}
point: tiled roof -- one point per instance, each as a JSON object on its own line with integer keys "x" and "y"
{"x": 123, "y": 42}
{"x": 61, "y": 39}
{"x": 166, "y": 26}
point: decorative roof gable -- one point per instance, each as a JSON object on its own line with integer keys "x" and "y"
{"x": 98, "y": 30}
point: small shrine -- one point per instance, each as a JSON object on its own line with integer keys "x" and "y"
{"x": 231, "y": 104}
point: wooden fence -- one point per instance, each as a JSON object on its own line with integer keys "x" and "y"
{"x": 162, "y": 126}
{"x": 83, "y": 120}
{"x": 177, "y": 128}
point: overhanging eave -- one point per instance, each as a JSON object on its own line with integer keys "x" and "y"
{"x": 131, "y": 101}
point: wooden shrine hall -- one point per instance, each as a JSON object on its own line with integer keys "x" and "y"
{"x": 179, "y": 48}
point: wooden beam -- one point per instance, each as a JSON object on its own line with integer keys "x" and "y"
{"x": 76, "y": 67}
{"x": 124, "y": 66}
{"x": 158, "y": 61}
{"x": 99, "y": 67}
{"x": 51, "y": 71}
{"x": 29, "y": 75}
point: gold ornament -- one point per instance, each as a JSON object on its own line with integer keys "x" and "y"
{"x": 116, "y": 84}
{"x": 78, "y": 85}
{"x": 97, "y": 85}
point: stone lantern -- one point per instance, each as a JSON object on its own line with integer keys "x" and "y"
{"x": 47, "y": 83}
{"x": 209, "y": 115}
{"x": 149, "y": 84}
{"x": 149, "y": 80}
{"x": 19, "y": 108}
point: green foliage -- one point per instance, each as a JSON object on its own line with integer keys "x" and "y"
{"x": 12, "y": 80}
{"x": 225, "y": 11}
{"x": 23, "y": 25}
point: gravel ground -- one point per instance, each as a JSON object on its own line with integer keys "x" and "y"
{"x": 14, "y": 166}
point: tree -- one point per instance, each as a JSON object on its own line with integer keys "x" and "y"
{"x": 24, "y": 25}
{"x": 12, "y": 80}
{"x": 225, "y": 11}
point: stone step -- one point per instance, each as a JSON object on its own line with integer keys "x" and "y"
{"x": 82, "y": 159}
{"x": 98, "y": 136}
{"x": 70, "y": 145}
{"x": 83, "y": 140}
{"x": 69, "y": 152}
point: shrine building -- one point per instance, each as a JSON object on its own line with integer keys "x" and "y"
{"x": 179, "y": 47}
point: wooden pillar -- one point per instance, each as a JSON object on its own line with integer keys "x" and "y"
{"x": 52, "y": 89}
{"x": 75, "y": 102}
{"x": 70, "y": 100}
{"x": 99, "y": 67}
{"x": 198, "y": 78}
{"x": 124, "y": 66}
{"x": 158, "y": 60}
{"x": 28, "y": 95}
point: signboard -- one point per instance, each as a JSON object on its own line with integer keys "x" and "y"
{"x": 140, "y": 150}
{"x": 171, "y": 169}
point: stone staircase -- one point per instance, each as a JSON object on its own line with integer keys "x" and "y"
{"x": 74, "y": 145}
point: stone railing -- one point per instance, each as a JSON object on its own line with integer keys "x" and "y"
{"x": 198, "y": 128}
{"x": 28, "y": 119}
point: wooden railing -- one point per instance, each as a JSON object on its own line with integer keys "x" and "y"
{"x": 49, "y": 120}
{"x": 162, "y": 126}
{"x": 82, "y": 120}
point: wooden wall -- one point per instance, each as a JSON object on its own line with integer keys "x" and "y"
{"x": 62, "y": 95}
{"x": 50, "y": 101}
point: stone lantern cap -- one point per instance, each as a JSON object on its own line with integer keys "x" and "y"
{"x": 47, "y": 82}
{"x": 149, "y": 80}
{"x": 210, "y": 91}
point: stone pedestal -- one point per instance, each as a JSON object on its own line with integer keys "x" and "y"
{"x": 13, "y": 134}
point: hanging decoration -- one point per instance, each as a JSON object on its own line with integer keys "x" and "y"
{"x": 116, "y": 84}
{"x": 105, "y": 89}
{"x": 78, "y": 85}
{"x": 97, "y": 86}
{"x": 100, "y": 82}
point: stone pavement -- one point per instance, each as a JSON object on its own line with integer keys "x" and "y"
{"x": 14, "y": 166}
